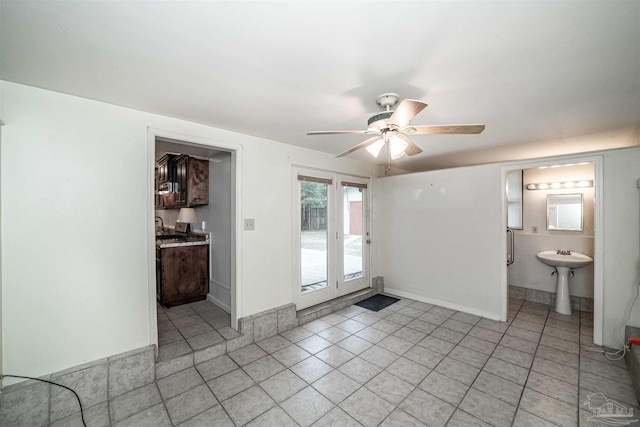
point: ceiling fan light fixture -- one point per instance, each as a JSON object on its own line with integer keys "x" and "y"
{"x": 390, "y": 128}
{"x": 374, "y": 149}
{"x": 396, "y": 147}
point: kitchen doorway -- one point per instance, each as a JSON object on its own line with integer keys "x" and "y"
{"x": 218, "y": 220}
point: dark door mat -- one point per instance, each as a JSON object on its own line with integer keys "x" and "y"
{"x": 377, "y": 302}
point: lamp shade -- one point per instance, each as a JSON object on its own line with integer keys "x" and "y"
{"x": 374, "y": 149}
{"x": 187, "y": 215}
{"x": 396, "y": 147}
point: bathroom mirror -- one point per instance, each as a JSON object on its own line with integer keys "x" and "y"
{"x": 514, "y": 200}
{"x": 564, "y": 212}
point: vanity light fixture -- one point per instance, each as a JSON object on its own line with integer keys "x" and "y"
{"x": 559, "y": 185}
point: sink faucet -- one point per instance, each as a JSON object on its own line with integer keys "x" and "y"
{"x": 561, "y": 252}
{"x": 161, "y": 222}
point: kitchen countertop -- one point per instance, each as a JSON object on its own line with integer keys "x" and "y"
{"x": 194, "y": 239}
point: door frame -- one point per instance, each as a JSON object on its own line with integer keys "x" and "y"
{"x": 334, "y": 251}
{"x": 236, "y": 216}
{"x": 598, "y": 236}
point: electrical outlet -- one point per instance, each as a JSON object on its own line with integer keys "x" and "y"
{"x": 249, "y": 224}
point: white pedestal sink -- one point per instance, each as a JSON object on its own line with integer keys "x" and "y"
{"x": 563, "y": 264}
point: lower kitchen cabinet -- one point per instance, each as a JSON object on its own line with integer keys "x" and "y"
{"x": 182, "y": 274}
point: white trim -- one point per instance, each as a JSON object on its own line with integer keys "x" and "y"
{"x": 598, "y": 233}
{"x": 219, "y": 303}
{"x": 151, "y": 241}
{"x": 598, "y": 252}
{"x": 326, "y": 171}
{"x": 445, "y": 304}
{"x": 237, "y": 287}
{"x": 504, "y": 282}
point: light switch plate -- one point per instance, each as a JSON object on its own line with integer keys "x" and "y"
{"x": 249, "y": 224}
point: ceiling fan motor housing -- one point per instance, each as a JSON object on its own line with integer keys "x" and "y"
{"x": 379, "y": 120}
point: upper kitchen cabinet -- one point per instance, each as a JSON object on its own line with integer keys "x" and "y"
{"x": 164, "y": 170}
{"x": 191, "y": 186}
{"x": 181, "y": 181}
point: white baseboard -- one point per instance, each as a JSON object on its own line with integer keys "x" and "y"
{"x": 219, "y": 303}
{"x": 219, "y": 284}
{"x": 446, "y": 304}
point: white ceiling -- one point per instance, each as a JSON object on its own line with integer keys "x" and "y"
{"x": 546, "y": 78}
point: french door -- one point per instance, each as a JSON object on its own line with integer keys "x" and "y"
{"x": 330, "y": 237}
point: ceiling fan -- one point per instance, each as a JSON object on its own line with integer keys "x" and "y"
{"x": 391, "y": 127}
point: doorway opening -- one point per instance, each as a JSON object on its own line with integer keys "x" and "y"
{"x": 330, "y": 236}
{"x": 194, "y": 286}
{"x": 534, "y": 224}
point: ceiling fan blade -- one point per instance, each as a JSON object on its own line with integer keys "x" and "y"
{"x": 359, "y": 146}
{"x": 412, "y": 149}
{"x": 339, "y": 132}
{"x": 407, "y": 110}
{"x": 446, "y": 129}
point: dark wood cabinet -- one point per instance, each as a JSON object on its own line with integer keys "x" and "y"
{"x": 182, "y": 274}
{"x": 164, "y": 169}
{"x": 181, "y": 180}
{"x": 185, "y": 178}
{"x": 191, "y": 182}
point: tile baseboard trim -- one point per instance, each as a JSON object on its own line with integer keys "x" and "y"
{"x": 548, "y": 298}
{"x": 309, "y": 314}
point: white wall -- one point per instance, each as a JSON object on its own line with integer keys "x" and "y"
{"x": 440, "y": 237}
{"x": 75, "y": 223}
{"x": 527, "y": 271}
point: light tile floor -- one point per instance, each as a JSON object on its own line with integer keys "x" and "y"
{"x": 410, "y": 364}
{"x": 186, "y": 328}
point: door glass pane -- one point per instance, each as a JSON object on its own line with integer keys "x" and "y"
{"x": 354, "y": 226}
{"x": 313, "y": 235}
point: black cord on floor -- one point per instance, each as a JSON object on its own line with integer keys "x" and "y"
{"x": 51, "y": 382}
